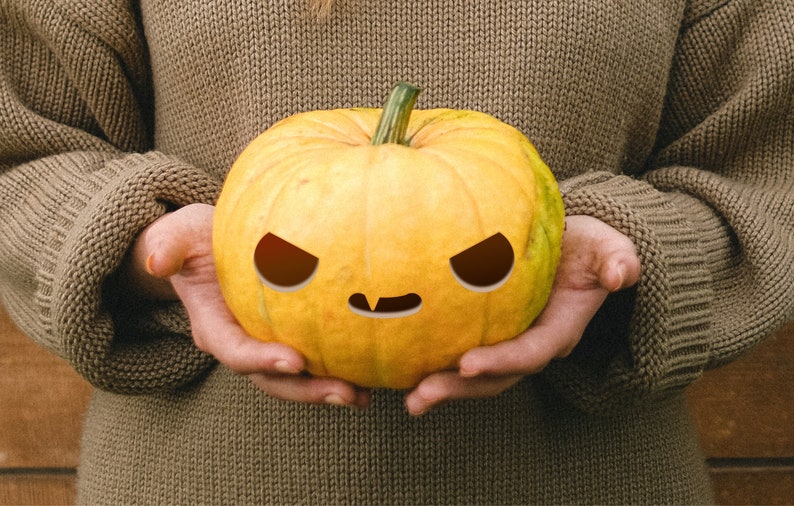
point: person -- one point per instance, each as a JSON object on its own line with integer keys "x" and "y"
{"x": 668, "y": 126}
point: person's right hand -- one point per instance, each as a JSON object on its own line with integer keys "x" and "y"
{"x": 172, "y": 258}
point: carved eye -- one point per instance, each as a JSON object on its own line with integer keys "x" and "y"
{"x": 283, "y": 266}
{"x": 485, "y": 266}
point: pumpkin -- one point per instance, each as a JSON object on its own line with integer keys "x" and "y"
{"x": 383, "y": 244}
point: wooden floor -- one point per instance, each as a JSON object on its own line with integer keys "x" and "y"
{"x": 745, "y": 413}
{"x": 41, "y": 406}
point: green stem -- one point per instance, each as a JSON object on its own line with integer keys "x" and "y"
{"x": 393, "y": 122}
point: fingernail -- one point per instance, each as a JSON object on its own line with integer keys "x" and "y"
{"x": 468, "y": 373}
{"x": 622, "y": 273}
{"x": 419, "y": 411}
{"x": 148, "y": 265}
{"x": 285, "y": 367}
{"x": 334, "y": 399}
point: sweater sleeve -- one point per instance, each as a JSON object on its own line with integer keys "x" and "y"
{"x": 712, "y": 216}
{"x": 78, "y": 181}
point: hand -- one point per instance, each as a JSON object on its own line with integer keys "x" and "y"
{"x": 172, "y": 258}
{"x": 596, "y": 260}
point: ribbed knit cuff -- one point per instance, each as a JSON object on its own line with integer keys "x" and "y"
{"x": 662, "y": 344}
{"x": 112, "y": 348}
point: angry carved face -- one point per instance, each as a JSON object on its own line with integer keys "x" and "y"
{"x": 284, "y": 267}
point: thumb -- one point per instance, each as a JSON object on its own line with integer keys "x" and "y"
{"x": 173, "y": 238}
{"x": 157, "y": 254}
{"x": 619, "y": 271}
{"x": 165, "y": 255}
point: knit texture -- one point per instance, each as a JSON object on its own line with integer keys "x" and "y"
{"x": 671, "y": 121}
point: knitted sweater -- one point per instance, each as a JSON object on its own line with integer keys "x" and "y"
{"x": 671, "y": 121}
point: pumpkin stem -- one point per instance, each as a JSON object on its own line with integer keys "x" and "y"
{"x": 397, "y": 110}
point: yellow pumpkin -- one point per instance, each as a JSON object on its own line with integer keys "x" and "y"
{"x": 383, "y": 244}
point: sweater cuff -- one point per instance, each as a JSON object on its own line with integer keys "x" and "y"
{"x": 654, "y": 337}
{"x": 113, "y": 348}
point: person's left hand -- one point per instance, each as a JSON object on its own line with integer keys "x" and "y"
{"x": 596, "y": 260}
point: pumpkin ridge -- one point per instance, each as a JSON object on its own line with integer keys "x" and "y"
{"x": 444, "y": 123}
{"x": 453, "y": 168}
{"x": 377, "y": 348}
{"x": 475, "y": 153}
{"x": 438, "y": 155}
{"x": 343, "y": 134}
{"x": 241, "y": 178}
{"x": 314, "y": 143}
{"x": 365, "y": 120}
{"x": 290, "y": 172}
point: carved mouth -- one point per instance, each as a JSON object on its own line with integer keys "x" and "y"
{"x": 386, "y": 307}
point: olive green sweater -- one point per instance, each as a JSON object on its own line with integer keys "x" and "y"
{"x": 672, "y": 121}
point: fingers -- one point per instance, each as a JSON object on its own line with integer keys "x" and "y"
{"x": 529, "y": 353}
{"x": 245, "y": 355}
{"x": 313, "y": 390}
{"x": 447, "y": 386}
{"x": 275, "y": 368}
{"x": 217, "y": 332}
{"x": 490, "y": 370}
